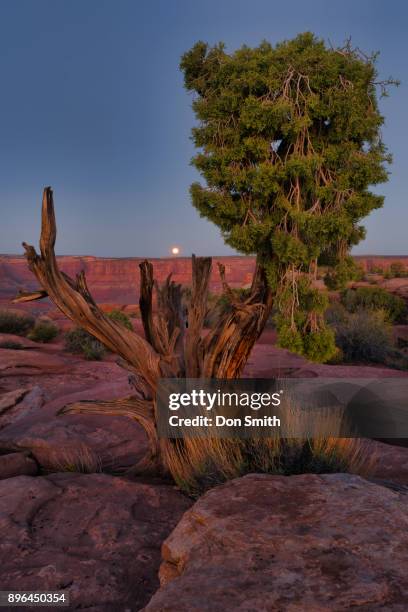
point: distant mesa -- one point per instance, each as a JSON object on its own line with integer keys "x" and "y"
{"x": 116, "y": 280}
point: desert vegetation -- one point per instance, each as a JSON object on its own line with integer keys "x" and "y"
{"x": 362, "y": 319}
{"x": 43, "y": 331}
{"x": 19, "y": 324}
{"x": 363, "y": 337}
{"x": 200, "y": 463}
{"x": 374, "y": 299}
{"x": 289, "y": 145}
{"x": 15, "y": 323}
{"x": 81, "y": 342}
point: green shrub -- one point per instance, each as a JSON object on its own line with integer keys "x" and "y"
{"x": 78, "y": 341}
{"x": 14, "y": 323}
{"x": 364, "y": 337}
{"x": 43, "y": 331}
{"x": 336, "y": 314}
{"x": 120, "y": 317}
{"x": 94, "y": 350}
{"x": 374, "y": 298}
{"x": 338, "y": 276}
{"x": 398, "y": 270}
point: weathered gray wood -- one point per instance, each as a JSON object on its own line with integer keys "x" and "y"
{"x": 167, "y": 350}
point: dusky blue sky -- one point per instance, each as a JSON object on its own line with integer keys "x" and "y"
{"x": 92, "y": 103}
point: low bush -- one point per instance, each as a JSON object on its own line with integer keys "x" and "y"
{"x": 398, "y": 270}
{"x": 364, "y": 337}
{"x": 78, "y": 341}
{"x": 120, "y": 317}
{"x": 374, "y": 299}
{"x": 337, "y": 276}
{"x": 43, "y": 331}
{"x": 15, "y": 323}
{"x": 336, "y": 314}
{"x": 94, "y": 350}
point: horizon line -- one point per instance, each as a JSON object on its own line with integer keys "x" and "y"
{"x": 180, "y": 257}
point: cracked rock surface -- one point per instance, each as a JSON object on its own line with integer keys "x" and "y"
{"x": 93, "y": 535}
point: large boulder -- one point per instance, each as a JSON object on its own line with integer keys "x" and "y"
{"x": 94, "y": 536}
{"x": 390, "y": 462}
{"x": 276, "y": 543}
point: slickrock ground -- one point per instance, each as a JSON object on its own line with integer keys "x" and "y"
{"x": 36, "y": 382}
{"x": 92, "y": 535}
{"x": 42, "y": 378}
{"x": 260, "y": 543}
{"x": 288, "y": 544}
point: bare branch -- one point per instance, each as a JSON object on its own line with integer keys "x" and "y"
{"x": 133, "y": 407}
{"x": 75, "y": 301}
{"x": 201, "y": 272}
{"x": 164, "y": 330}
{"x": 146, "y": 304}
{"x": 26, "y": 296}
{"x": 228, "y": 345}
{"x": 226, "y": 288}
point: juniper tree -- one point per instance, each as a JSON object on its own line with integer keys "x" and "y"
{"x": 289, "y": 145}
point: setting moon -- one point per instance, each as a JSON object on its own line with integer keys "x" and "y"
{"x": 175, "y": 250}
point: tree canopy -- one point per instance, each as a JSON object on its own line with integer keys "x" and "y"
{"x": 289, "y": 146}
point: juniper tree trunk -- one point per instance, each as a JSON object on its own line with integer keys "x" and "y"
{"x": 228, "y": 346}
{"x": 173, "y": 346}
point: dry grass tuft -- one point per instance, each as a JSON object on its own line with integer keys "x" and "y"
{"x": 77, "y": 459}
{"x": 200, "y": 463}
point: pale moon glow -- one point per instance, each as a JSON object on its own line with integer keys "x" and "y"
{"x": 175, "y": 250}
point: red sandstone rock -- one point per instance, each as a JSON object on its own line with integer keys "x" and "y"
{"x": 29, "y": 421}
{"x": 78, "y": 442}
{"x": 17, "y": 362}
{"x": 20, "y": 404}
{"x": 10, "y": 399}
{"x": 276, "y": 543}
{"x": 268, "y": 361}
{"x": 17, "y": 464}
{"x": 24, "y": 343}
{"x": 117, "y": 279}
{"x": 372, "y": 262}
{"x": 93, "y": 536}
{"x": 390, "y": 462}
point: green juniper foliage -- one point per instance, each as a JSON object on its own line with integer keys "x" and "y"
{"x": 289, "y": 144}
